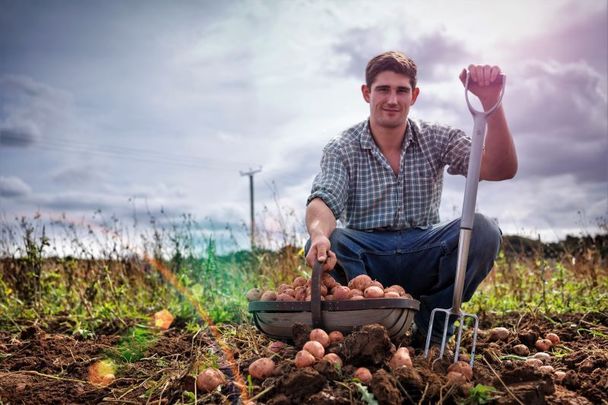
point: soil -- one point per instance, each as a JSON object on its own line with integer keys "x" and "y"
{"x": 44, "y": 364}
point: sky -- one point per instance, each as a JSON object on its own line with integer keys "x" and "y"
{"x": 156, "y": 108}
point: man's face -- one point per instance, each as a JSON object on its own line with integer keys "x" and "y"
{"x": 390, "y": 98}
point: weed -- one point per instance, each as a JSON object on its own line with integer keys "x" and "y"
{"x": 132, "y": 345}
{"x": 480, "y": 394}
{"x": 366, "y": 396}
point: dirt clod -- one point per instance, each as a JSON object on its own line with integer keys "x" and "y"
{"x": 384, "y": 388}
{"x": 368, "y": 345}
{"x": 300, "y": 384}
{"x": 300, "y": 334}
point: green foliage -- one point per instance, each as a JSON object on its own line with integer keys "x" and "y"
{"x": 480, "y": 394}
{"x": 104, "y": 283}
{"x": 366, "y": 396}
{"x": 539, "y": 284}
{"x": 132, "y": 345}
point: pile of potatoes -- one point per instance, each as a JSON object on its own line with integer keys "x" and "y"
{"x": 358, "y": 288}
{"x": 314, "y": 350}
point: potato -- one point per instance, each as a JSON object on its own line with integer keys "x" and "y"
{"x": 357, "y": 297}
{"x": 361, "y": 282}
{"x": 319, "y": 335}
{"x": 341, "y": 293}
{"x": 300, "y": 293}
{"x": 555, "y": 340}
{"x": 254, "y": 294}
{"x": 521, "y": 350}
{"x": 329, "y": 297}
{"x": 498, "y": 333}
{"x": 543, "y": 344}
{"x": 282, "y": 288}
{"x": 304, "y": 359}
{"x": 276, "y": 347}
{"x": 401, "y": 358}
{"x": 542, "y": 356}
{"x": 336, "y": 336}
{"x": 391, "y": 294}
{"x": 209, "y": 379}
{"x": 463, "y": 368}
{"x": 363, "y": 374}
{"x": 455, "y": 377}
{"x": 329, "y": 281}
{"x": 283, "y": 297}
{"x": 322, "y": 287}
{"x": 396, "y": 288}
{"x": 534, "y": 362}
{"x": 163, "y": 319}
{"x": 298, "y": 282}
{"x": 315, "y": 348}
{"x": 269, "y": 296}
{"x": 546, "y": 369}
{"x": 377, "y": 284}
{"x": 559, "y": 376}
{"x": 333, "y": 359}
{"x": 101, "y": 373}
{"x": 407, "y": 296}
{"x": 373, "y": 292}
{"x": 290, "y": 291}
{"x": 355, "y": 292}
{"x": 261, "y": 368}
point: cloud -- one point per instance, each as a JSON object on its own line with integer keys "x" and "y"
{"x": 28, "y": 106}
{"x": 79, "y": 176}
{"x": 11, "y": 187}
{"x": 575, "y": 38}
{"x": 434, "y": 53}
{"x": 22, "y": 135}
{"x": 562, "y": 125}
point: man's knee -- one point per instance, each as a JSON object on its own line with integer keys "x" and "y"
{"x": 486, "y": 235}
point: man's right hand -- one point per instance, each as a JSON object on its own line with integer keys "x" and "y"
{"x": 320, "y": 251}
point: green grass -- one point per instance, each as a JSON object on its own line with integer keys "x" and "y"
{"x": 108, "y": 284}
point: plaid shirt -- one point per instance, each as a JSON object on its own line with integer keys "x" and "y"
{"x": 357, "y": 183}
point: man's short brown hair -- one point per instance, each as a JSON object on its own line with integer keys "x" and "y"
{"x": 394, "y": 61}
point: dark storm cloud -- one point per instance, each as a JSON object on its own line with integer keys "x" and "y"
{"x": 27, "y": 107}
{"x": 431, "y": 52}
{"x": 13, "y": 187}
{"x": 18, "y": 136}
{"x": 557, "y": 113}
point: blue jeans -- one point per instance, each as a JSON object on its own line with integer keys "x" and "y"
{"x": 423, "y": 261}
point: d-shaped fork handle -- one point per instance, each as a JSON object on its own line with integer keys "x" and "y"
{"x": 500, "y": 79}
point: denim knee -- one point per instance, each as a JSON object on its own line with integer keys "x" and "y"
{"x": 486, "y": 236}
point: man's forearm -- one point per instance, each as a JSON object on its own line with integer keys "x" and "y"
{"x": 499, "y": 161}
{"x": 319, "y": 219}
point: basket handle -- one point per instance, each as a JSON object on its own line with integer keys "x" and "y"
{"x": 315, "y": 295}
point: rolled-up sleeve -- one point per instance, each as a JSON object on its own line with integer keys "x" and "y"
{"x": 456, "y": 152}
{"x": 330, "y": 185}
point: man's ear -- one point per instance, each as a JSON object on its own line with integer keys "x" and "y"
{"x": 365, "y": 92}
{"x": 415, "y": 94}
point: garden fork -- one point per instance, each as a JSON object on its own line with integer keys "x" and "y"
{"x": 466, "y": 228}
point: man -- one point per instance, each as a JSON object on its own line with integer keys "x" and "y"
{"x": 383, "y": 179}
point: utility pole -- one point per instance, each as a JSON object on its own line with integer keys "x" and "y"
{"x": 250, "y": 173}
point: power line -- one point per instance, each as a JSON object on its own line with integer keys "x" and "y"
{"x": 142, "y": 155}
{"x": 131, "y": 150}
{"x": 73, "y": 150}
